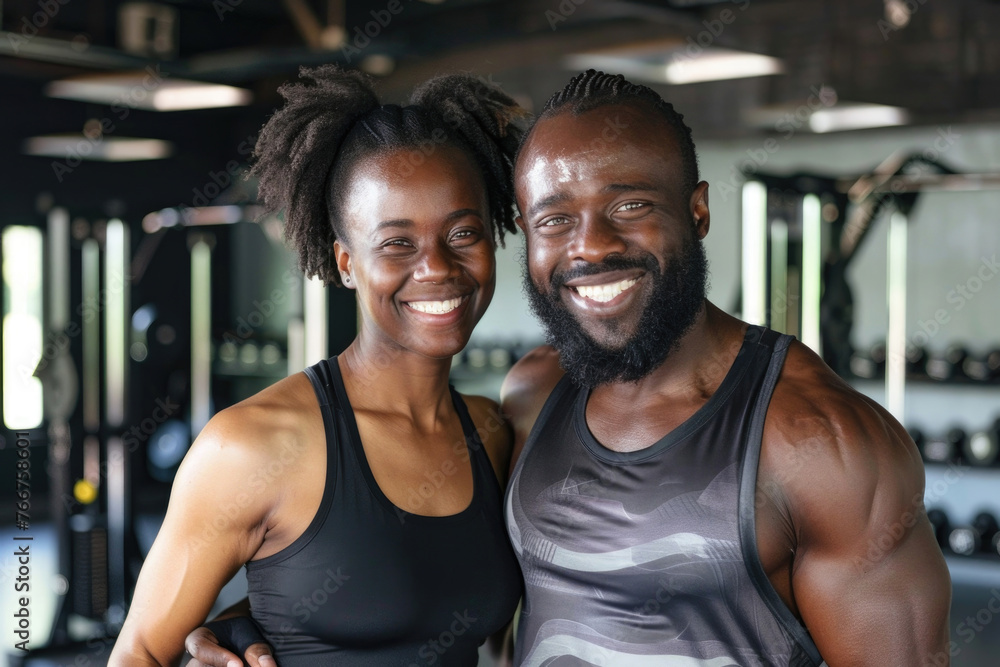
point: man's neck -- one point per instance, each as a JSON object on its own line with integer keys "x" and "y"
{"x": 697, "y": 364}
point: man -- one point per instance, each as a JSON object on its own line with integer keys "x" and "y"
{"x": 687, "y": 489}
{"x": 693, "y": 491}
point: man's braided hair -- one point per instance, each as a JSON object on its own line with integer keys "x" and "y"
{"x": 593, "y": 89}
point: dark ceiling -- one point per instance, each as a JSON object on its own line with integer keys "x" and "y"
{"x": 943, "y": 66}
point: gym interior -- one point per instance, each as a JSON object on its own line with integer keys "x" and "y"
{"x": 852, "y": 149}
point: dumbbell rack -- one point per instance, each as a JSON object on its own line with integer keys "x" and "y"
{"x": 797, "y": 241}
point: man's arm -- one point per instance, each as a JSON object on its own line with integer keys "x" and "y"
{"x": 868, "y": 577}
{"x": 528, "y": 383}
{"x": 215, "y": 522}
{"x": 206, "y": 647}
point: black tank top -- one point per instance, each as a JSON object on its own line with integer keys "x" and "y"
{"x": 369, "y": 584}
{"x": 649, "y": 558}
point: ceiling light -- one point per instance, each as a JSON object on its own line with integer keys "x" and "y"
{"x": 720, "y": 64}
{"x": 680, "y": 64}
{"x": 105, "y": 149}
{"x": 856, "y": 117}
{"x": 148, "y": 89}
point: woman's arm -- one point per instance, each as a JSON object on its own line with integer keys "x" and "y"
{"x": 215, "y": 522}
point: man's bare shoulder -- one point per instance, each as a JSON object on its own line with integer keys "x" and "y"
{"x": 525, "y": 389}
{"x": 531, "y": 379}
{"x": 835, "y": 451}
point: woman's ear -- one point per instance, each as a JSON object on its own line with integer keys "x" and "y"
{"x": 343, "y": 258}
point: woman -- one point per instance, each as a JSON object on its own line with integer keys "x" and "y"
{"x": 363, "y": 494}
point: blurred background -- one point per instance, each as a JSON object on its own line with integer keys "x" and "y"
{"x": 853, "y": 151}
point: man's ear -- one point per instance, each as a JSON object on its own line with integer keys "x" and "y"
{"x": 519, "y": 221}
{"x": 343, "y": 258}
{"x": 699, "y": 210}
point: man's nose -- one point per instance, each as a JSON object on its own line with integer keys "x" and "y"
{"x": 596, "y": 237}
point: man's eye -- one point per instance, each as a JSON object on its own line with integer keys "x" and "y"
{"x": 631, "y": 206}
{"x": 552, "y": 222}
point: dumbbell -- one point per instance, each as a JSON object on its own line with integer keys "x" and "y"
{"x": 985, "y": 368}
{"x": 916, "y": 360}
{"x": 982, "y": 448}
{"x": 947, "y": 366}
{"x": 944, "y": 448}
{"x": 869, "y": 364}
{"x": 982, "y": 535}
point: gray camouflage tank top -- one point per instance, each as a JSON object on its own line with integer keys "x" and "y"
{"x": 649, "y": 558}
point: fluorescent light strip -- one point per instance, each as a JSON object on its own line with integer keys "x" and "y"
{"x": 101, "y": 149}
{"x": 720, "y": 65}
{"x": 315, "y": 314}
{"x": 144, "y": 90}
{"x": 58, "y": 268}
{"x": 856, "y": 117}
{"x": 201, "y": 335}
{"x": 895, "y": 347}
{"x": 22, "y": 260}
{"x": 812, "y": 271}
{"x": 115, "y": 320}
{"x": 91, "y": 325}
{"x": 754, "y": 252}
{"x": 779, "y": 276}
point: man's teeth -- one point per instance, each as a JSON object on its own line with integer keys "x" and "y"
{"x": 605, "y": 292}
{"x": 437, "y": 307}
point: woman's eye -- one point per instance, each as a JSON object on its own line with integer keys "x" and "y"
{"x": 398, "y": 243}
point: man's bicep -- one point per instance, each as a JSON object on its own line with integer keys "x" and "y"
{"x": 871, "y": 583}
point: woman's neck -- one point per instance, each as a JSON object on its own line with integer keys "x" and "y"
{"x": 395, "y": 381}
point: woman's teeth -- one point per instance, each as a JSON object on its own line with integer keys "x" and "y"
{"x": 436, "y": 307}
{"x": 605, "y": 292}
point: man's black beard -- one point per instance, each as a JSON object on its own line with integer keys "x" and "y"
{"x": 677, "y": 297}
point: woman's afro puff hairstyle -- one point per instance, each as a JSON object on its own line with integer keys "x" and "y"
{"x": 332, "y": 118}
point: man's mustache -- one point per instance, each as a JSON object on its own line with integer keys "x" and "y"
{"x": 611, "y": 263}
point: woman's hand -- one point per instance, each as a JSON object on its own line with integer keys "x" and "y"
{"x": 205, "y": 650}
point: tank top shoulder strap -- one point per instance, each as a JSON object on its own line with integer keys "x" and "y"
{"x": 778, "y": 345}
{"x": 564, "y": 394}
{"x": 321, "y": 379}
{"x": 482, "y": 466}
{"x": 324, "y": 382}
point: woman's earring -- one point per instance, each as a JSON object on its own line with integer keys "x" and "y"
{"x": 347, "y": 279}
